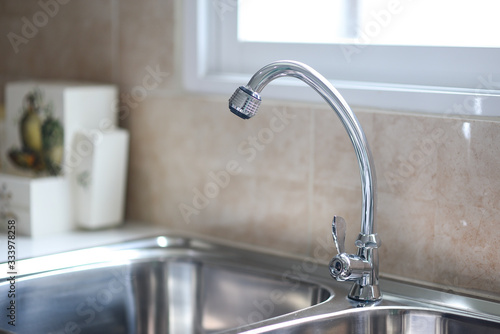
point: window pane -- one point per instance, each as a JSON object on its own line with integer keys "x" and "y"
{"x": 295, "y": 21}
{"x": 430, "y": 23}
{"x": 375, "y": 22}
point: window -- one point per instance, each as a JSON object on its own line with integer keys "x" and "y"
{"x": 393, "y": 54}
{"x": 377, "y": 22}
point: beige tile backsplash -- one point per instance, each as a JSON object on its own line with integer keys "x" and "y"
{"x": 275, "y": 181}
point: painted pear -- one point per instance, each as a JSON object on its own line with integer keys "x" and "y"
{"x": 31, "y": 127}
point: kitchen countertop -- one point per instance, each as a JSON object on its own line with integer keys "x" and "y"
{"x": 27, "y": 247}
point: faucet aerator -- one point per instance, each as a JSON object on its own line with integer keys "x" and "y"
{"x": 244, "y": 102}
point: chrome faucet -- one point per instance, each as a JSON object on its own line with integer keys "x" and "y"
{"x": 362, "y": 268}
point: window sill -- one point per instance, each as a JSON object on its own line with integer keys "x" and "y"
{"x": 422, "y": 99}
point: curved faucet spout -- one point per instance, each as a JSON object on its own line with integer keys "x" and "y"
{"x": 362, "y": 268}
{"x": 249, "y": 100}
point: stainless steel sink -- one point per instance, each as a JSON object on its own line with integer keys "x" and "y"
{"x": 388, "y": 320}
{"x": 175, "y": 284}
{"x": 157, "y": 285}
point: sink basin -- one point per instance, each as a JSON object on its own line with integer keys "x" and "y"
{"x": 388, "y": 320}
{"x": 185, "y": 285}
{"x": 159, "y": 285}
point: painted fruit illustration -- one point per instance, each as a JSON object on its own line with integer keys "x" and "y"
{"x": 52, "y": 140}
{"x": 30, "y": 126}
{"x": 42, "y": 137}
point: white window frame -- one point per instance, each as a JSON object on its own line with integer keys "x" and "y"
{"x": 448, "y": 82}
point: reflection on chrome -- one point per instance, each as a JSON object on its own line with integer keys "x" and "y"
{"x": 162, "y": 241}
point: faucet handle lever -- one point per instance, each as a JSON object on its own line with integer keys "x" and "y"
{"x": 338, "y": 232}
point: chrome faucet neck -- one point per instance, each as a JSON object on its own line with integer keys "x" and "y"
{"x": 324, "y": 88}
{"x": 363, "y": 267}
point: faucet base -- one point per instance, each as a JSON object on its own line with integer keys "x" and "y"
{"x": 366, "y": 294}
